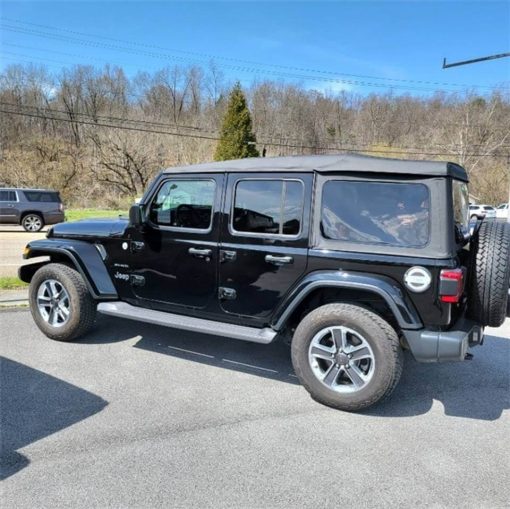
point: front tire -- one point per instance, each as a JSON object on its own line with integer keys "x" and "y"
{"x": 60, "y": 302}
{"x": 32, "y": 223}
{"x": 346, "y": 356}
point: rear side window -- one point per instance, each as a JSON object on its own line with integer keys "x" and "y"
{"x": 8, "y": 196}
{"x": 42, "y": 196}
{"x": 268, "y": 207}
{"x": 461, "y": 205}
{"x": 376, "y": 213}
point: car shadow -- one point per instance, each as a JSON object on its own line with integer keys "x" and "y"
{"x": 477, "y": 389}
{"x": 33, "y": 406}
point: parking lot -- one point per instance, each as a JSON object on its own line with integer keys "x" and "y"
{"x": 136, "y": 415}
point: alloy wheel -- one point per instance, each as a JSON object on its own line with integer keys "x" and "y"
{"x": 341, "y": 359}
{"x": 32, "y": 223}
{"x": 53, "y": 303}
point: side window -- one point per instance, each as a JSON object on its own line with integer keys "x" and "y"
{"x": 44, "y": 197}
{"x": 376, "y": 213}
{"x": 8, "y": 196}
{"x": 184, "y": 204}
{"x": 268, "y": 207}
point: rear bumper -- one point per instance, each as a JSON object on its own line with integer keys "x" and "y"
{"x": 443, "y": 346}
{"x": 54, "y": 217}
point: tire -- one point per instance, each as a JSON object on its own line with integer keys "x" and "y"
{"x": 489, "y": 274}
{"x": 474, "y": 217}
{"x": 74, "y": 296}
{"x": 378, "y": 340}
{"x": 32, "y": 223}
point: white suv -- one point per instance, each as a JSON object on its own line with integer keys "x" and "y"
{"x": 502, "y": 211}
{"x": 482, "y": 212}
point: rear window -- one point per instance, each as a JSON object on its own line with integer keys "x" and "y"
{"x": 376, "y": 213}
{"x": 42, "y": 196}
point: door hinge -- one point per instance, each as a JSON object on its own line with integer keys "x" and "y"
{"x": 227, "y": 256}
{"x": 137, "y": 280}
{"x": 226, "y": 293}
{"x": 137, "y": 246}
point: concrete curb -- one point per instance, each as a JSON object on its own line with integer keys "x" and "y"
{"x": 13, "y": 298}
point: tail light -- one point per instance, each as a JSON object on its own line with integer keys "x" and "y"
{"x": 451, "y": 285}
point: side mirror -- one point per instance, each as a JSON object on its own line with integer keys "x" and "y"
{"x": 135, "y": 215}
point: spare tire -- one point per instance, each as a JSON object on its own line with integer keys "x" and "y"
{"x": 489, "y": 273}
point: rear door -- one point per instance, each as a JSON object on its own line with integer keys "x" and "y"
{"x": 264, "y": 241}
{"x": 9, "y": 207}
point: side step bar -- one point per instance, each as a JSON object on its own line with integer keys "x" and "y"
{"x": 227, "y": 330}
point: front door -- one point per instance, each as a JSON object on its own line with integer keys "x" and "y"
{"x": 264, "y": 242}
{"x": 175, "y": 253}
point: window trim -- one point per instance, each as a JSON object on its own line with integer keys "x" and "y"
{"x": 237, "y": 233}
{"x": 367, "y": 243}
{"x": 10, "y": 191}
{"x": 179, "y": 228}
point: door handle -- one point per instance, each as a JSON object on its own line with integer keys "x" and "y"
{"x": 279, "y": 260}
{"x": 200, "y": 253}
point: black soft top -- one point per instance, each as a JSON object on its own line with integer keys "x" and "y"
{"x": 332, "y": 163}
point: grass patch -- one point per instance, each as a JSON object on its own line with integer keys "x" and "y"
{"x": 11, "y": 283}
{"x": 75, "y": 214}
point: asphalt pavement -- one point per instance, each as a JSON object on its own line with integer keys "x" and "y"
{"x": 140, "y": 416}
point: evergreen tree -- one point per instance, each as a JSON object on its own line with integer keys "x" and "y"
{"x": 237, "y": 139}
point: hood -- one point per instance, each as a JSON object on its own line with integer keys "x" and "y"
{"x": 97, "y": 228}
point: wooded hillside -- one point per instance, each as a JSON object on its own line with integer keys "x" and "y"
{"x": 99, "y": 137}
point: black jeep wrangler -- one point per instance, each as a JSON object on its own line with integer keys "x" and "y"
{"x": 351, "y": 258}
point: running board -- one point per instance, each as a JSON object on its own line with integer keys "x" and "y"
{"x": 227, "y": 330}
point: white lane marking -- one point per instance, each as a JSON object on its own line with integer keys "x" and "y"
{"x": 250, "y": 365}
{"x": 191, "y": 351}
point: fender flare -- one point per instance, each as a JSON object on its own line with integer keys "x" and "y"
{"x": 385, "y": 287}
{"x": 83, "y": 255}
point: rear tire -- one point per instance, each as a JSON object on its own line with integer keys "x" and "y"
{"x": 60, "y": 302}
{"x": 364, "y": 370}
{"x": 489, "y": 274}
{"x": 32, "y": 223}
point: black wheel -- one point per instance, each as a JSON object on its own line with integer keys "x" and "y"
{"x": 489, "y": 273}
{"x": 346, "y": 356}
{"x": 474, "y": 217}
{"x": 60, "y": 302}
{"x": 32, "y": 222}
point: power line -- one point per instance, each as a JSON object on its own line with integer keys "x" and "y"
{"x": 238, "y": 68}
{"x": 261, "y": 142}
{"x": 239, "y": 60}
{"x": 110, "y": 118}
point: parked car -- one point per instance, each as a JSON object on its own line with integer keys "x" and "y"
{"x": 482, "y": 212}
{"x": 31, "y": 208}
{"x": 502, "y": 211}
{"x": 350, "y": 258}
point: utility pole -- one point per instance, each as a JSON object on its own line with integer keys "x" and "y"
{"x": 474, "y": 61}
